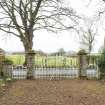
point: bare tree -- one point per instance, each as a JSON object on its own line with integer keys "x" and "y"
{"x": 88, "y": 36}
{"x": 23, "y": 17}
{"x": 61, "y": 51}
{"x": 87, "y": 40}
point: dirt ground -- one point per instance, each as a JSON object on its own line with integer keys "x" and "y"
{"x": 63, "y": 92}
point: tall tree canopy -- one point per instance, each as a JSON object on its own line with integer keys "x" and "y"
{"x": 23, "y": 17}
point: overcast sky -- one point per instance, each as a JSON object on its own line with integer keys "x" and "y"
{"x": 50, "y": 42}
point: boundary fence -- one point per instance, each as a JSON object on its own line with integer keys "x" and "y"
{"x": 20, "y": 72}
{"x": 52, "y": 66}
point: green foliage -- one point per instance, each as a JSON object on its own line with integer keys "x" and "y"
{"x": 8, "y": 62}
{"x": 32, "y": 52}
{"x": 49, "y": 61}
{"x": 16, "y": 59}
{"x": 2, "y": 82}
{"x": 82, "y": 52}
{"x": 92, "y": 59}
{"x": 101, "y": 64}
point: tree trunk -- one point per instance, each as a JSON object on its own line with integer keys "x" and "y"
{"x": 26, "y": 55}
{"x": 29, "y": 54}
{"x": 29, "y": 61}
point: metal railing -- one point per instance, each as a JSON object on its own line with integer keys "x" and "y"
{"x": 48, "y": 67}
{"x": 20, "y": 72}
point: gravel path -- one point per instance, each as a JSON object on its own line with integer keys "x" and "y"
{"x": 64, "y": 92}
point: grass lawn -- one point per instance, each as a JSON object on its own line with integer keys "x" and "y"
{"x": 50, "y": 61}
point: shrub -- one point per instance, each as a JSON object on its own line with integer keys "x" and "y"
{"x": 101, "y": 64}
{"x": 82, "y": 52}
{"x": 8, "y": 62}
